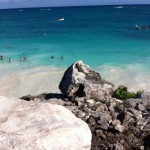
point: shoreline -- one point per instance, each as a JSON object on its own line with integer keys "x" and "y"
{"x": 45, "y": 79}
{"x": 31, "y": 81}
{"x": 110, "y": 120}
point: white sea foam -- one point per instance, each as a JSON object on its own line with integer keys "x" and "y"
{"x": 119, "y": 7}
{"x": 31, "y": 81}
{"x": 37, "y": 80}
{"x": 43, "y": 9}
{"x": 134, "y": 76}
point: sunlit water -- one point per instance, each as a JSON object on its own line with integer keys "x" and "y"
{"x": 104, "y": 37}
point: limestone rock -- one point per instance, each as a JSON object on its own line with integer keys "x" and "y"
{"x": 56, "y": 101}
{"x": 91, "y": 101}
{"x": 40, "y": 126}
{"x": 103, "y": 124}
{"x": 111, "y": 106}
{"x": 136, "y": 113}
{"x": 81, "y": 114}
{"x": 80, "y": 80}
{"x": 120, "y": 128}
{"x": 142, "y": 122}
{"x": 118, "y": 146}
{"x": 115, "y": 122}
{"x": 140, "y": 107}
{"x": 91, "y": 121}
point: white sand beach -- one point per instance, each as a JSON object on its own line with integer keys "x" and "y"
{"x": 31, "y": 81}
{"x": 46, "y": 79}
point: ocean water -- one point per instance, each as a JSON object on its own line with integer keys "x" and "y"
{"x": 104, "y": 37}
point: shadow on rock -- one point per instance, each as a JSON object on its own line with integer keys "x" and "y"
{"x": 54, "y": 95}
{"x": 147, "y": 142}
{"x": 44, "y": 96}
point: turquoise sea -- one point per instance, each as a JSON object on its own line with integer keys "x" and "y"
{"x": 104, "y": 37}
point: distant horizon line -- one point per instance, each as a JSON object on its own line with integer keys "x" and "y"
{"x": 74, "y": 6}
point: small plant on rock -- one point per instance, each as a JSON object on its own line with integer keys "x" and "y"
{"x": 122, "y": 93}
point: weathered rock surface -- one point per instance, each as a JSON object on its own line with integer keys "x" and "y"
{"x": 115, "y": 124}
{"x": 80, "y": 80}
{"x": 40, "y": 126}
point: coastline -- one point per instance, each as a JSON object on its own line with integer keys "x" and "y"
{"x": 114, "y": 119}
{"x": 119, "y": 52}
{"x": 40, "y": 69}
{"x": 34, "y": 81}
{"x": 45, "y": 79}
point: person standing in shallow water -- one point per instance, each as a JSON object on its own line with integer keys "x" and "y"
{"x": 9, "y": 60}
{"x": 1, "y": 57}
{"x": 25, "y": 59}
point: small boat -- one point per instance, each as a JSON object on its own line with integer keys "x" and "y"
{"x": 61, "y": 19}
{"x": 142, "y": 27}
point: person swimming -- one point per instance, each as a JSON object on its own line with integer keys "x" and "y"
{"x": 52, "y": 57}
{"x": 61, "y": 57}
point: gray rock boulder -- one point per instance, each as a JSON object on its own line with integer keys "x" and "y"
{"x": 40, "y": 126}
{"x": 80, "y": 80}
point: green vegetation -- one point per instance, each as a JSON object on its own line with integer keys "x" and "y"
{"x": 122, "y": 93}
